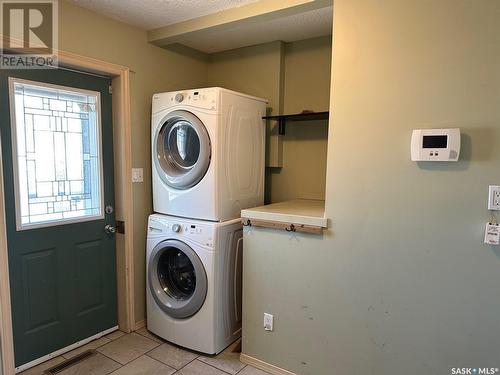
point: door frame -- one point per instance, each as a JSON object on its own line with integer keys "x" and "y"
{"x": 122, "y": 150}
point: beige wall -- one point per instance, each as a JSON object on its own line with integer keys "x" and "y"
{"x": 254, "y": 70}
{"x": 259, "y": 71}
{"x": 306, "y": 87}
{"x": 307, "y": 75}
{"x": 154, "y": 70}
{"x": 401, "y": 283}
{"x": 293, "y": 77}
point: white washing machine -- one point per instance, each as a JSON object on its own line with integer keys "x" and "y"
{"x": 194, "y": 282}
{"x": 208, "y": 152}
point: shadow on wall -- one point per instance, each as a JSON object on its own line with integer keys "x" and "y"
{"x": 495, "y": 250}
{"x": 267, "y": 185}
{"x": 186, "y": 51}
{"x": 253, "y": 52}
{"x": 308, "y": 130}
{"x": 465, "y": 155}
{"x": 303, "y": 174}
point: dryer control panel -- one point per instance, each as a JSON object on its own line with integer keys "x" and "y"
{"x": 171, "y": 226}
{"x": 201, "y": 98}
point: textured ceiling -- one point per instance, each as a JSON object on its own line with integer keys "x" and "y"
{"x": 150, "y": 14}
{"x": 297, "y": 27}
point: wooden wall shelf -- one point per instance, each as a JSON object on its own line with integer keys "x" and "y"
{"x": 298, "y": 215}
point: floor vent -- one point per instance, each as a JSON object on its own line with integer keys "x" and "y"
{"x": 70, "y": 362}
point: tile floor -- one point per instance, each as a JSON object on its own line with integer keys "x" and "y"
{"x": 142, "y": 353}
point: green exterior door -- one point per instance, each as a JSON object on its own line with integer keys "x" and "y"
{"x": 56, "y": 138}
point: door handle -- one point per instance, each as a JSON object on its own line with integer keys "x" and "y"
{"x": 110, "y": 229}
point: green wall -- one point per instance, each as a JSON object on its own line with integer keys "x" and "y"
{"x": 401, "y": 283}
{"x": 428, "y": 298}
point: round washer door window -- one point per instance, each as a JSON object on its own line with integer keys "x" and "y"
{"x": 182, "y": 150}
{"x": 177, "y": 279}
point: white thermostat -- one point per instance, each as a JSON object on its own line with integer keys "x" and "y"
{"x": 435, "y": 144}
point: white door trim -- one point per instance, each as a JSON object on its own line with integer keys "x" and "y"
{"x": 122, "y": 148}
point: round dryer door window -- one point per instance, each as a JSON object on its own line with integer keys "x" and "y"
{"x": 177, "y": 279}
{"x": 182, "y": 150}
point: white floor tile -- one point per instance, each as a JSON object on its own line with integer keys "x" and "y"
{"x": 172, "y": 355}
{"x": 127, "y": 348}
{"x": 145, "y": 366}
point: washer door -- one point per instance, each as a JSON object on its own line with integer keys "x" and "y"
{"x": 177, "y": 279}
{"x": 182, "y": 150}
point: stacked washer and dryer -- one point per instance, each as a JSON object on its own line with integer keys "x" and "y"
{"x": 208, "y": 155}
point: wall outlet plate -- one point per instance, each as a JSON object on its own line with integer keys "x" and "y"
{"x": 268, "y": 322}
{"x": 494, "y": 197}
{"x": 137, "y": 175}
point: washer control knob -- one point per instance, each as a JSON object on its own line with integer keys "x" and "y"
{"x": 176, "y": 228}
{"x": 179, "y": 98}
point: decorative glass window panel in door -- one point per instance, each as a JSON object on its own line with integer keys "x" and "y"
{"x": 56, "y": 138}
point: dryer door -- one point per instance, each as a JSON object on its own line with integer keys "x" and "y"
{"x": 177, "y": 279}
{"x": 181, "y": 150}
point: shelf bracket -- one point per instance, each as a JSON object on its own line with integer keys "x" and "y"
{"x": 281, "y": 126}
{"x": 304, "y": 116}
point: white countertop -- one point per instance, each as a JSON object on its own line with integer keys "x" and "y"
{"x": 296, "y": 211}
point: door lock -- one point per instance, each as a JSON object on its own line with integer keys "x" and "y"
{"x": 110, "y": 229}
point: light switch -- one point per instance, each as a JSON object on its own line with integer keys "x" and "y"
{"x": 137, "y": 175}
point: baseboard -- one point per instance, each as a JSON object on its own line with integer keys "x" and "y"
{"x": 272, "y": 369}
{"x": 140, "y": 324}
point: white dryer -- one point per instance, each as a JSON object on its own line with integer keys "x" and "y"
{"x": 208, "y": 153}
{"x": 194, "y": 282}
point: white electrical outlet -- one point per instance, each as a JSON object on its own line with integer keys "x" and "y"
{"x": 268, "y": 322}
{"x": 494, "y": 197}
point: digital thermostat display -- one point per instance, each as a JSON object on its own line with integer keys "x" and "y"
{"x": 435, "y": 144}
{"x": 434, "y": 141}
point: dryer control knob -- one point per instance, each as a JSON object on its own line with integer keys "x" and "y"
{"x": 176, "y": 228}
{"x": 179, "y": 98}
